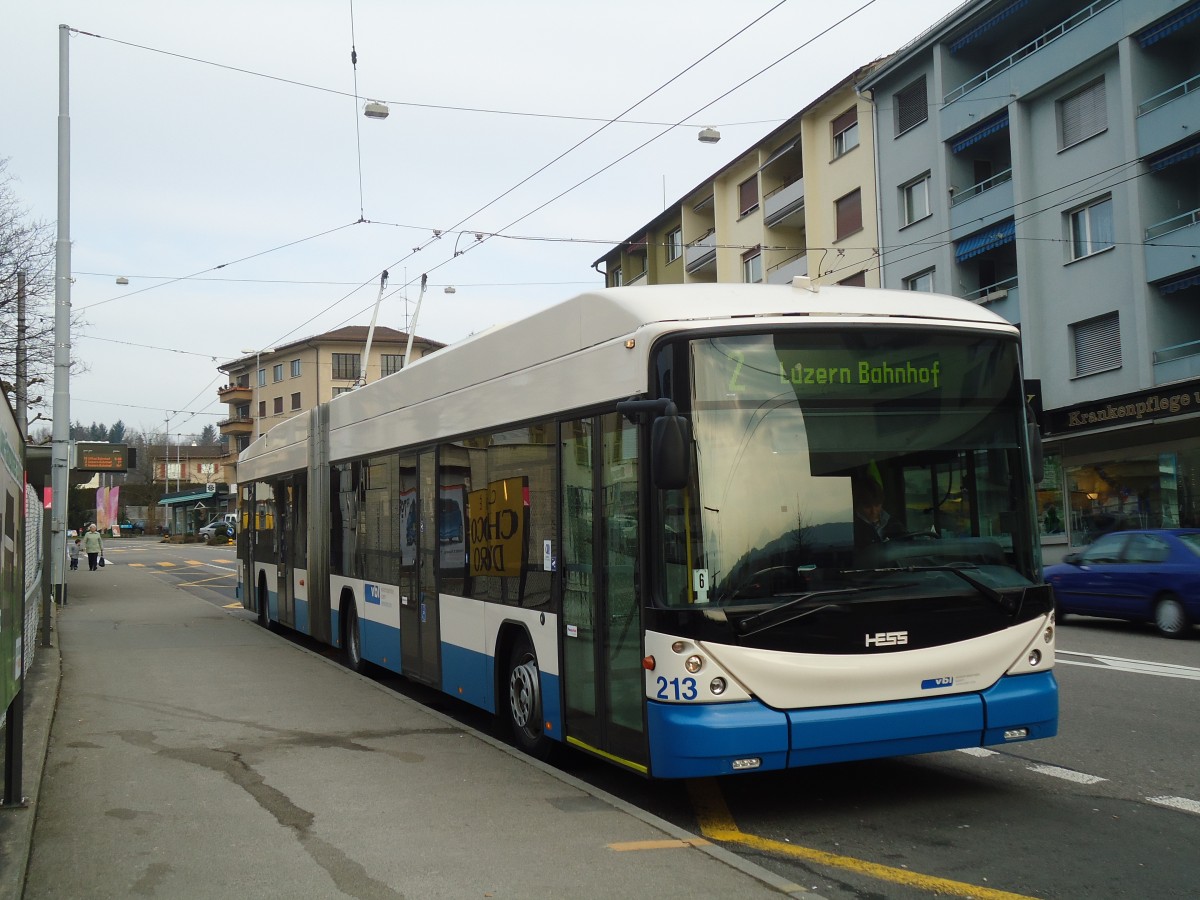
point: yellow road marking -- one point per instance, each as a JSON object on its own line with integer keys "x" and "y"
{"x": 232, "y": 606}
{"x": 656, "y": 845}
{"x": 193, "y": 562}
{"x": 166, "y": 565}
{"x": 205, "y": 580}
{"x": 137, "y": 565}
{"x": 717, "y": 823}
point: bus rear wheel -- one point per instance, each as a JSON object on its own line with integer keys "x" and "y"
{"x": 352, "y": 640}
{"x": 524, "y": 701}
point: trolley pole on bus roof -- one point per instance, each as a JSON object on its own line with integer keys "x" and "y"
{"x": 362, "y": 374}
{"x": 412, "y": 326}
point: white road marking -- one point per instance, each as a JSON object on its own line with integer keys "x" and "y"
{"x": 981, "y": 752}
{"x": 1183, "y": 803}
{"x": 1067, "y": 774}
{"x": 1132, "y": 666}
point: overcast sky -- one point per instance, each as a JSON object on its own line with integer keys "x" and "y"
{"x": 220, "y": 160}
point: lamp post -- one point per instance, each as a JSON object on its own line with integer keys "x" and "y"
{"x": 61, "y": 430}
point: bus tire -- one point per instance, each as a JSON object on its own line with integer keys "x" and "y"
{"x": 352, "y": 639}
{"x": 523, "y": 701}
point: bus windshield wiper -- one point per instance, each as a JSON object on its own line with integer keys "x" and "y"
{"x": 769, "y": 618}
{"x": 1006, "y": 604}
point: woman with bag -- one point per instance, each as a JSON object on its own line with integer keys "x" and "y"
{"x": 93, "y": 546}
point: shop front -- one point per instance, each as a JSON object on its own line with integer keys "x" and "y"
{"x": 189, "y": 510}
{"x": 1126, "y": 462}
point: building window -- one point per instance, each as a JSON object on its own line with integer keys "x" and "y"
{"x": 858, "y": 279}
{"x": 1091, "y": 228}
{"x": 922, "y": 281}
{"x": 914, "y": 200}
{"x": 1097, "y": 344}
{"x": 615, "y": 276}
{"x": 295, "y": 368}
{"x": 262, "y": 377}
{"x": 752, "y": 267}
{"x": 345, "y": 365}
{"x": 277, "y": 372}
{"x": 277, "y": 406}
{"x": 1082, "y": 115}
{"x": 848, "y": 211}
{"x": 241, "y": 442}
{"x": 262, "y": 409}
{"x": 674, "y": 244}
{"x": 912, "y": 108}
{"x": 338, "y": 391}
{"x": 296, "y": 400}
{"x": 390, "y": 362}
{"x": 748, "y": 195}
{"x": 845, "y": 132}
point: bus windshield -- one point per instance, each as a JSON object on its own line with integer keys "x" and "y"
{"x": 842, "y": 463}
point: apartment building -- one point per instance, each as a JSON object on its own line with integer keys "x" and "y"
{"x": 1042, "y": 158}
{"x": 271, "y": 385}
{"x": 801, "y": 201}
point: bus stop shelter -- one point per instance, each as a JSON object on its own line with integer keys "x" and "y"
{"x": 191, "y": 509}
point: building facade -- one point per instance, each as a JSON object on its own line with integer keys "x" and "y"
{"x": 269, "y": 386}
{"x": 1042, "y": 158}
{"x": 800, "y": 199}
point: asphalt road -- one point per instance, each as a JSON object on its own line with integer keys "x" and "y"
{"x": 1110, "y": 807}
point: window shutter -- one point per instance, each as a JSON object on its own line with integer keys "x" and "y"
{"x": 1098, "y": 345}
{"x": 845, "y": 120}
{"x": 1083, "y": 114}
{"x": 849, "y": 214}
{"x": 912, "y": 108}
{"x": 748, "y": 194}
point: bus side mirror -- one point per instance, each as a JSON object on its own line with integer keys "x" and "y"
{"x": 671, "y": 452}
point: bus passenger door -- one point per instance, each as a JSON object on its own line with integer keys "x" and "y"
{"x": 601, "y": 620}
{"x": 285, "y": 512}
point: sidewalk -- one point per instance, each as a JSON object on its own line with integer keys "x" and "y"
{"x": 194, "y": 754}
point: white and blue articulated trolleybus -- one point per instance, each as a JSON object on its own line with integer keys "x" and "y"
{"x": 634, "y": 524}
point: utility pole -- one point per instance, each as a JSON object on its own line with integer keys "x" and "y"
{"x": 61, "y": 432}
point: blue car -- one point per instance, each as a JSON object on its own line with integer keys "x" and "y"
{"x": 1151, "y": 575}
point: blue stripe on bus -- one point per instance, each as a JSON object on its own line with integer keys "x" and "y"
{"x": 700, "y": 740}
{"x": 301, "y": 610}
{"x": 380, "y": 644}
{"x": 1022, "y": 701}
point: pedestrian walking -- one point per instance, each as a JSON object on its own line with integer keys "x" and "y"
{"x": 73, "y": 552}
{"x": 93, "y": 546}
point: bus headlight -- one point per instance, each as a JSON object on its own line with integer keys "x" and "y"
{"x": 694, "y": 663}
{"x": 1035, "y": 657}
{"x": 717, "y": 686}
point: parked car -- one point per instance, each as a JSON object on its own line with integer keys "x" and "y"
{"x": 136, "y": 526}
{"x": 1147, "y": 575}
{"x": 227, "y": 523}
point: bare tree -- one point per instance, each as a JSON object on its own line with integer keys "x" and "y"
{"x": 26, "y": 254}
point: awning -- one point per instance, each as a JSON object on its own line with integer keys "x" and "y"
{"x": 785, "y": 149}
{"x": 1169, "y": 25}
{"x": 1160, "y": 162}
{"x": 1180, "y": 284}
{"x": 988, "y": 239}
{"x": 988, "y": 128}
{"x": 987, "y": 25}
{"x": 193, "y": 497}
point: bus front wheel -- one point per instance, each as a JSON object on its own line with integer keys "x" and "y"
{"x": 524, "y": 706}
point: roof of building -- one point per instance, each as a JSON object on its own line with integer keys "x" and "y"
{"x": 349, "y": 334}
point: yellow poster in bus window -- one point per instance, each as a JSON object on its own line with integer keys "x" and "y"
{"x": 497, "y": 515}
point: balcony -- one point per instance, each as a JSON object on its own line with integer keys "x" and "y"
{"x": 236, "y": 425}
{"x": 981, "y": 204}
{"x": 1176, "y": 254}
{"x": 700, "y": 256}
{"x": 785, "y": 206}
{"x": 784, "y": 272}
{"x": 1177, "y": 363}
{"x": 235, "y": 393}
{"x": 1073, "y": 44}
{"x": 1159, "y": 117}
